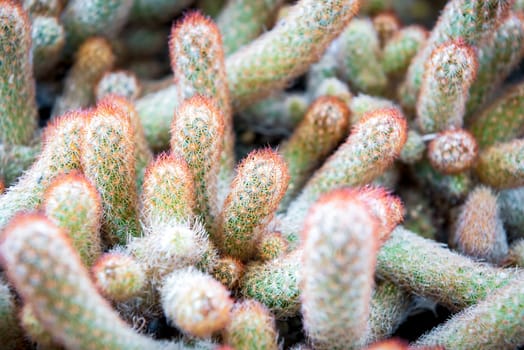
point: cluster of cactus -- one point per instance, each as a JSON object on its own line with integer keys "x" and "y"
{"x": 256, "y": 174}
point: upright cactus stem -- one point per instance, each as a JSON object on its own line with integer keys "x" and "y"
{"x": 287, "y": 51}
{"x": 18, "y": 113}
{"x": 340, "y": 240}
{"x": 501, "y": 165}
{"x": 108, "y": 161}
{"x": 449, "y": 73}
{"x": 470, "y": 20}
{"x": 256, "y": 191}
{"x": 197, "y": 136}
{"x": 197, "y": 59}
{"x": 375, "y": 142}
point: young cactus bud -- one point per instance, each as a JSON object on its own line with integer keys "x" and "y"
{"x": 195, "y": 302}
{"x": 370, "y": 149}
{"x": 241, "y": 21}
{"x": 287, "y": 51}
{"x": 122, "y": 83}
{"x": 479, "y": 231}
{"x": 108, "y": 161}
{"x": 386, "y": 24}
{"x": 358, "y": 57}
{"x": 452, "y": 151}
{"x": 18, "y": 111}
{"x": 252, "y": 327}
{"x": 197, "y": 135}
{"x": 502, "y": 120}
{"x": 228, "y": 271}
{"x": 61, "y": 145}
{"x": 48, "y": 274}
{"x": 118, "y": 277}
{"x": 72, "y": 203}
{"x": 168, "y": 191}
{"x": 275, "y": 284}
{"x": 449, "y": 73}
{"x": 340, "y": 239}
{"x": 256, "y": 191}
{"x": 94, "y": 58}
{"x": 48, "y": 39}
{"x": 324, "y": 126}
{"x": 494, "y": 323}
{"x": 501, "y": 165}
{"x": 271, "y": 246}
{"x": 197, "y": 59}
{"x": 86, "y": 18}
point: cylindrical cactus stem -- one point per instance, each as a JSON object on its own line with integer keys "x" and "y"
{"x": 197, "y": 136}
{"x": 401, "y": 48}
{"x": 502, "y": 120}
{"x": 358, "y": 57}
{"x": 15, "y": 159}
{"x": 340, "y": 242}
{"x": 143, "y": 154}
{"x": 252, "y": 327}
{"x": 195, "y": 302}
{"x": 72, "y": 203}
{"x": 64, "y": 300}
{"x": 323, "y": 127}
{"x": 511, "y": 202}
{"x": 448, "y": 75}
{"x": 271, "y": 246}
{"x": 427, "y": 269}
{"x": 494, "y": 323}
{"x": 375, "y": 142}
{"x": 48, "y": 40}
{"x": 325, "y": 68}
{"x": 228, "y": 271}
{"x": 241, "y": 21}
{"x": 168, "y": 192}
{"x": 470, "y": 20}
{"x": 18, "y": 111}
{"x": 156, "y": 10}
{"x": 169, "y": 246}
{"x": 108, "y": 161}
{"x": 287, "y": 51}
{"x": 388, "y": 309}
{"x": 479, "y": 229}
{"x": 122, "y": 83}
{"x": 275, "y": 284}
{"x": 497, "y": 57}
{"x": 413, "y": 149}
{"x": 118, "y": 277}
{"x": 256, "y": 191}
{"x": 197, "y": 60}
{"x": 86, "y": 18}
{"x": 502, "y": 165}
{"x": 11, "y": 334}
{"x": 93, "y": 59}
{"x": 452, "y": 151}
{"x": 61, "y": 145}
{"x": 156, "y": 114}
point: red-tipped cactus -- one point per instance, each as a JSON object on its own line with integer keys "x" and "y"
{"x": 452, "y": 151}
